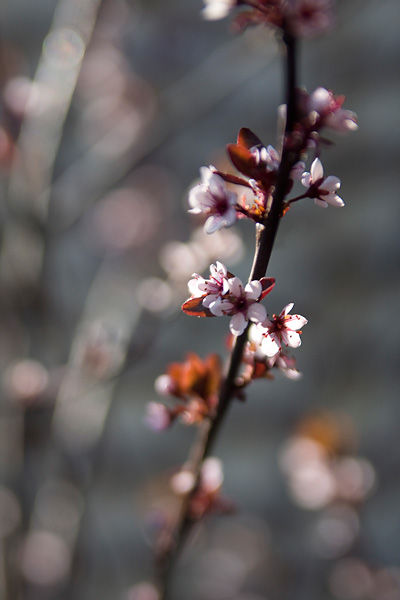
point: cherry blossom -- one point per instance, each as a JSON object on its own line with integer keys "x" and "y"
{"x": 297, "y": 171}
{"x": 323, "y": 190}
{"x": 212, "y": 198}
{"x": 330, "y": 111}
{"x": 241, "y": 303}
{"x": 217, "y": 9}
{"x": 308, "y": 17}
{"x": 263, "y": 363}
{"x": 212, "y": 288}
{"x": 281, "y": 329}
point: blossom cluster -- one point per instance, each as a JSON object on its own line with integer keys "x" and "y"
{"x": 303, "y": 18}
{"x": 214, "y": 196}
{"x": 195, "y": 383}
{"x": 225, "y": 294}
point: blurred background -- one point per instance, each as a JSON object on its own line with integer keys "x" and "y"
{"x": 108, "y": 109}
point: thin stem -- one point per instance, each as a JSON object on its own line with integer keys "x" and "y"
{"x": 306, "y": 195}
{"x": 265, "y": 238}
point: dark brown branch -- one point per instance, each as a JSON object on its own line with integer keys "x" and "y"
{"x": 265, "y": 238}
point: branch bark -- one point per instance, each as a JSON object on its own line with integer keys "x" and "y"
{"x": 265, "y": 238}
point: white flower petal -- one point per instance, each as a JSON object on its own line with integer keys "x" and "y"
{"x": 199, "y": 197}
{"x": 236, "y": 287}
{"x": 317, "y": 170}
{"x": 297, "y": 171}
{"x": 229, "y": 217}
{"x": 253, "y": 290}
{"x": 320, "y": 100}
{"x": 221, "y": 307}
{"x": 220, "y": 268}
{"x": 320, "y": 203}
{"x": 270, "y": 346}
{"x": 295, "y": 322}
{"x": 213, "y": 223}
{"x": 238, "y": 323}
{"x": 291, "y": 338}
{"x": 194, "y": 288}
{"x": 331, "y": 184}
{"x": 306, "y": 179}
{"x": 334, "y": 200}
{"x": 215, "y": 10}
{"x": 205, "y": 174}
{"x": 256, "y": 312}
{"x": 209, "y": 299}
{"x": 217, "y": 186}
{"x": 255, "y": 334}
{"x": 286, "y": 309}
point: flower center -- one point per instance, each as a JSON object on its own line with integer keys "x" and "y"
{"x": 221, "y": 206}
{"x": 241, "y": 304}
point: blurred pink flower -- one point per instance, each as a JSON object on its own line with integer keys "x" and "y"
{"x": 308, "y": 17}
{"x": 212, "y": 198}
{"x": 217, "y": 9}
{"x": 330, "y": 111}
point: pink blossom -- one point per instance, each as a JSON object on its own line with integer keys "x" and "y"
{"x": 298, "y": 170}
{"x": 158, "y": 417}
{"x": 323, "y": 190}
{"x": 330, "y": 111}
{"x": 308, "y": 17}
{"x": 212, "y": 198}
{"x": 217, "y": 9}
{"x": 282, "y": 329}
{"x": 212, "y": 288}
{"x": 286, "y": 364}
{"x": 241, "y": 303}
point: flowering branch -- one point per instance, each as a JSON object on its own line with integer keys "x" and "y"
{"x": 258, "y": 340}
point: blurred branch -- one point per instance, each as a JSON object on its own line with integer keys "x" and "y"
{"x": 48, "y": 104}
{"x": 184, "y": 102}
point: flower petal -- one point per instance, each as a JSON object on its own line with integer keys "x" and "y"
{"x": 331, "y": 184}
{"x": 194, "y": 288}
{"x": 295, "y": 322}
{"x": 221, "y": 307}
{"x": 238, "y": 323}
{"x": 306, "y": 179}
{"x": 291, "y": 338}
{"x": 253, "y": 290}
{"x": 320, "y": 203}
{"x": 317, "y": 170}
{"x": 270, "y": 346}
{"x": 213, "y": 223}
{"x": 256, "y": 312}
{"x": 217, "y": 186}
{"x": 334, "y": 200}
{"x": 236, "y": 287}
{"x": 286, "y": 309}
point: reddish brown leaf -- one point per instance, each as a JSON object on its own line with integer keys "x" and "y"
{"x": 267, "y": 286}
{"x": 248, "y": 139}
{"x": 242, "y": 159}
{"x": 194, "y": 307}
